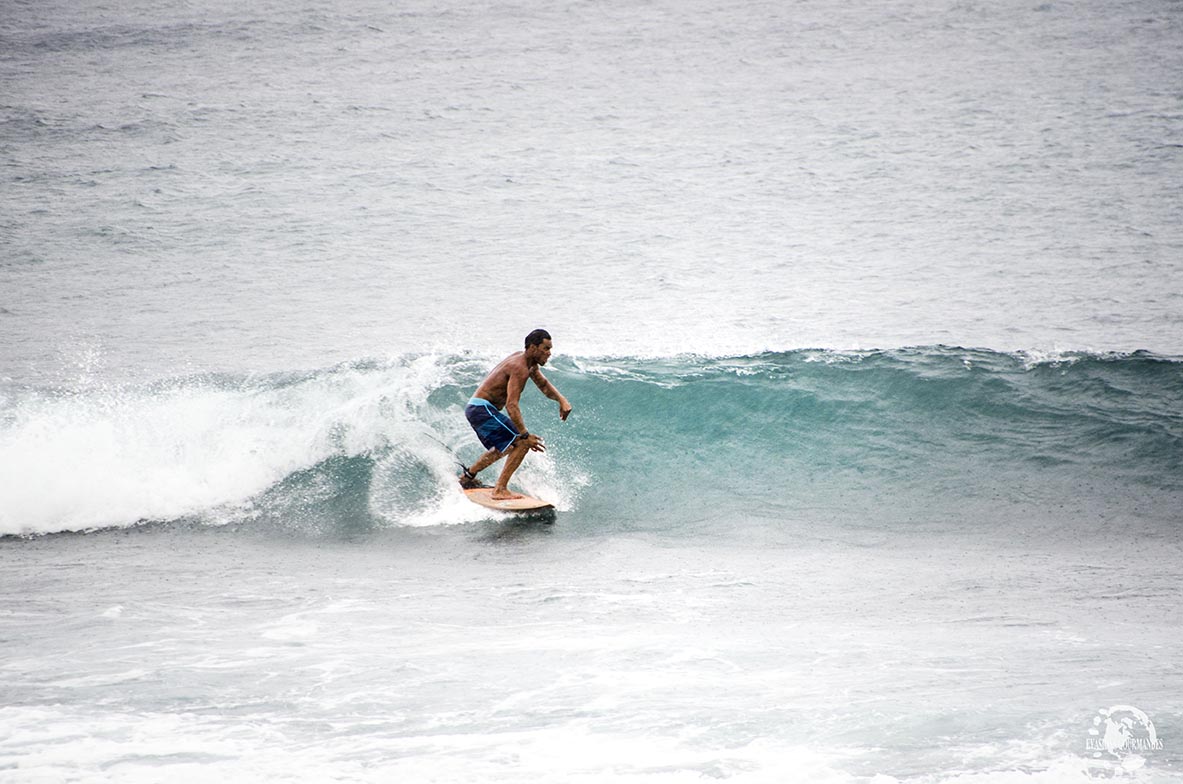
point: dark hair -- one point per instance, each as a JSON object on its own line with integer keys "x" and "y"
{"x": 536, "y": 337}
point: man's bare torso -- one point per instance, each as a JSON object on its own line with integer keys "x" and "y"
{"x": 495, "y": 387}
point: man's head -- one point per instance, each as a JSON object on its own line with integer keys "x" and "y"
{"x": 538, "y": 345}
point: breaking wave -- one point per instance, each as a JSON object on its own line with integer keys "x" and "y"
{"x": 899, "y": 437}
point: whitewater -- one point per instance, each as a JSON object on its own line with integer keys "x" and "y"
{"x": 869, "y": 315}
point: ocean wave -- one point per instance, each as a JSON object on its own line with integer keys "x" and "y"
{"x": 652, "y": 442}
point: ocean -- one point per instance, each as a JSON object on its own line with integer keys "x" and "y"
{"x": 870, "y": 316}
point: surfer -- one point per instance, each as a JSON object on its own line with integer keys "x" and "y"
{"x": 505, "y": 434}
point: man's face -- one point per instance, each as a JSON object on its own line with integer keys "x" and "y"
{"x": 542, "y": 351}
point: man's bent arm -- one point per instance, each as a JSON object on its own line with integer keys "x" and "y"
{"x": 544, "y": 385}
{"x": 513, "y": 393}
{"x": 552, "y": 392}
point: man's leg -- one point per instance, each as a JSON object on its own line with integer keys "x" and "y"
{"x": 483, "y": 462}
{"x": 514, "y": 458}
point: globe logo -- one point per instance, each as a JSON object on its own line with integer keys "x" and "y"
{"x": 1122, "y": 734}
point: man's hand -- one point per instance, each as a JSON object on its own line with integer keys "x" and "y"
{"x": 534, "y": 442}
{"x": 564, "y": 409}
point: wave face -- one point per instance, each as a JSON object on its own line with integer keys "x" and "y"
{"x": 927, "y": 438}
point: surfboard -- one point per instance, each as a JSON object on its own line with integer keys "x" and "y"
{"x": 480, "y": 495}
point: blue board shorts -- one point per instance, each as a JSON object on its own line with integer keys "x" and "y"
{"x": 493, "y": 428}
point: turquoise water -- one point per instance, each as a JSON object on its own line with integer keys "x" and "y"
{"x": 907, "y": 440}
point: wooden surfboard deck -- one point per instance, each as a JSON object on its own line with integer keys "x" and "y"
{"x": 480, "y": 495}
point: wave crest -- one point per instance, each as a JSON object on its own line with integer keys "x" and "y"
{"x": 374, "y": 443}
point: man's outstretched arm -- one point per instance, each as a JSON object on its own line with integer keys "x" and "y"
{"x": 552, "y": 392}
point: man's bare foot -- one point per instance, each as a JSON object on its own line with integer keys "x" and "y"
{"x": 504, "y": 495}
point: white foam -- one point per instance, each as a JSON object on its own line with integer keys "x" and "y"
{"x": 1054, "y": 357}
{"x": 43, "y": 744}
{"x": 117, "y": 457}
{"x": 58, "y": 744}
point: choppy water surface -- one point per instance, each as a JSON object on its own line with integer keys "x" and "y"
{"x": 870, "y": 319}
{"x": 290, "y": 184}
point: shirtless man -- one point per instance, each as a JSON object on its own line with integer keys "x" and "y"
{"x": 506, "y": 436}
